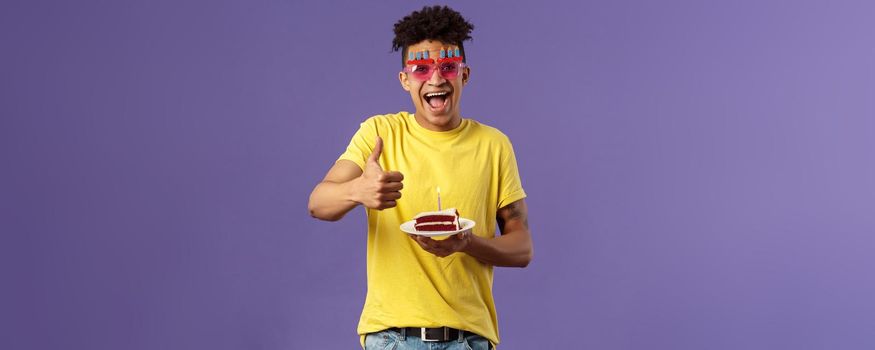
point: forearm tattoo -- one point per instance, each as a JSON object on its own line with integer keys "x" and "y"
{"x": 513, "y": 211}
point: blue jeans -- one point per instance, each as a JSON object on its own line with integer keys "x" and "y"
{"x": 391, "y": 340}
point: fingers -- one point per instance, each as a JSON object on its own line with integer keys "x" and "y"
{"x": 386, "y": 204}
{"x": 389, "y": 196}
{"x": 426, "y": 243}
{"x": 440, "y": 248}
{"x": 392, "y": 176}
{"x": 391, "y": 187}
{"x": 383, "y": 195}
{"x": 379, "y": 200}
{"x": 378, "y": 149}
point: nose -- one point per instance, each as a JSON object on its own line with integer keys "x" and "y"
{"x": 436, "y": 78}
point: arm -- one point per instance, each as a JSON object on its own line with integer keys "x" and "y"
{"x": 333, "y": 197}
{"x": 513, "y": 248}
{"x": 346, "y": 186}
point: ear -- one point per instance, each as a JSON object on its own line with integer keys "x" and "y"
{"x": 405, "y": 83}
{"x": 466, "y": 74}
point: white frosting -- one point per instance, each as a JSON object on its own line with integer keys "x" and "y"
{"x": 448, "y": 212}
{"x": 436, "y": 223}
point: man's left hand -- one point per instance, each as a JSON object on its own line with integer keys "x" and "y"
{"x": 445, "y": 247}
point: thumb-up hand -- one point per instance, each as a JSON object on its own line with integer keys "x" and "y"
{"x": 375, "y": 188}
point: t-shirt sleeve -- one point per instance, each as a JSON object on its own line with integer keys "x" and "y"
{"x": 362, "y": 144}
{"x": 509, "y": 184}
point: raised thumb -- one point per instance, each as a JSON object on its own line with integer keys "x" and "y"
{"x": 378, "y": 149}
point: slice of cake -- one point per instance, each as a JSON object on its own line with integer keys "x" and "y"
{"x": 444, "y": 220}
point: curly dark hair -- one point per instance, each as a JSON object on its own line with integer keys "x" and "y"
{"x": 439, "y": 23}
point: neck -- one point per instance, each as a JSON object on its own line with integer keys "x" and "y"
{"x": 455, "y": 121}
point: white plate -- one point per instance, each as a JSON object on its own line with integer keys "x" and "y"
{"x": 408, "y": 227}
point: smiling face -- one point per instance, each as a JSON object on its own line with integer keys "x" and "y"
{"x": 436, "y": 99}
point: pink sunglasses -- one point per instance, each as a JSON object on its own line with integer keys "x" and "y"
{"x": 424, "y": 71}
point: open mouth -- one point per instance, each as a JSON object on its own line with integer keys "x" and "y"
{"x": 437, "y": 101}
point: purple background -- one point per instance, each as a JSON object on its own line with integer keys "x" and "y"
{"x": 700, "y": 176}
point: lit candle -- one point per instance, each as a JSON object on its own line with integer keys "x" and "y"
{"x": 439, "y": 198}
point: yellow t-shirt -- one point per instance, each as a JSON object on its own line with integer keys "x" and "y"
{"x": 475, "y": 167}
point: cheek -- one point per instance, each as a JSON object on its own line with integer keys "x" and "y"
{"x": 414, "y": 94}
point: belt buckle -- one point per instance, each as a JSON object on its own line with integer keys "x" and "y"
{"x": 425, "y": 338}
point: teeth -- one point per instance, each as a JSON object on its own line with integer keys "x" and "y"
{"x": 433, "y": 94}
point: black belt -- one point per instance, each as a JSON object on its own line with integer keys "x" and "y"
{"x": 431, "y": 334}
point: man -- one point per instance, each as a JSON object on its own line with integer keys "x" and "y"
{"x": 424, "y": 291}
